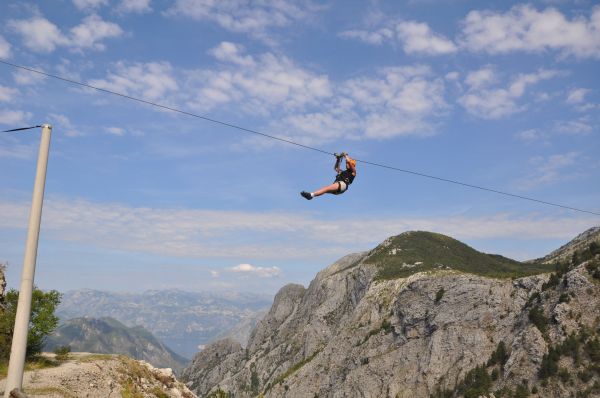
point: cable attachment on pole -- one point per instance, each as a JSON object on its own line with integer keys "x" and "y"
{"x": 22, "y": 128}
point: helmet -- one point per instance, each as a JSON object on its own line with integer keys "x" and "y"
{"x": 352, "y": 162}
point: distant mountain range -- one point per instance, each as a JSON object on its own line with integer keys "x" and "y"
{"x": 182, "y": 320}
{"x": 109, "y": 336}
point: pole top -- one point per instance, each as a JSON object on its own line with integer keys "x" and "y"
{"x": 47, "y": 126}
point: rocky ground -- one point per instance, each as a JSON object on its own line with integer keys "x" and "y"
{"x": 101, "y": 376}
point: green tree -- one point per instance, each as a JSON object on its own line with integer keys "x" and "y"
{"x": 42, "y": 321}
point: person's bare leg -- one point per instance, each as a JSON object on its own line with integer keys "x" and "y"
{"x": 328, "y": 189}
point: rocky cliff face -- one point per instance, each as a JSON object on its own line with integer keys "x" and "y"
{"x": 435, "y": 332}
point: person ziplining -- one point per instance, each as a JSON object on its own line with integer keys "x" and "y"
{"x": 342, "y": 180}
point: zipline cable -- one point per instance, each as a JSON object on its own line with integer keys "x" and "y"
{"x": 21, "y": 128}
{"x": 157, "y": 105}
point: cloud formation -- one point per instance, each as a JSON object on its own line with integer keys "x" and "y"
{"x": 41, "y": 35}
{"x": 524, "y": 28}
{"x": 262, "y": 272}
{"x": 134, "y": 6}
{"x": 13, "y": 117}
{"x": 521, "y": 29}
{"x": 484, "y": 99}
{"x": 4, "y": 48}
{"x": 313, "y": 108}
{"x": 89, "y": 4}
{"x": 205, "y": 233}
{"x": 254, "y": 18}
{"x": 7, "y": 93}
{"x": 415, "y": 37}
{"x": 150, "y": 81}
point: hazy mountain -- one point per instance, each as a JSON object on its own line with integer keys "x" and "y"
{"x": 422, "y": 315}
{"x": 109, "y": 336}
{"x": 182, "y": 320}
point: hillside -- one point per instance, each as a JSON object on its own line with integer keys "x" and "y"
{"x": 182, "y": 320}
{"x": 412, "y": 252}
{"x": 109, "y": 336}
{"x": 371, "y": 326}
{"x": 580, "y": 243}
{"x": 105, "y": 376}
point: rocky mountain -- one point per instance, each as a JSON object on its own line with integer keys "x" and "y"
{"x": 109, "y": 336}
{"x": 421, "y": 315}
{"x": 106, "y": 376}
{"x": 182, "y": 320}
{"x": 565, "y": 252}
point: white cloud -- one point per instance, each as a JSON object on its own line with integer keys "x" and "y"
{"x": 27, "y": 78}
{"x": 41, "y": 35}
{"x": 254, "y": 18}
{"x": 257, "y": 84}
{"x": 115, "y": 131}
{"x": 310, "y": 108}
{"x": 13, "y": 118}
{"x": 64, "y": 125}
{"x": 91, "y": 32}
{"x": 4, "y": 48}
{"x": 231, "y": 52}
{"x": 134, "y": 6}
{"x": 262, "y": 272}
{"x": 207, "y": 233}
{"x": 89, "y": 4}
{"x": 577, "y": 96}
{"x": 375, "y": 37}
{"x": 574, "y": 127}
{"x": 150, "y": 81}
{"x": 489, "y": 102}
{"x": 524, "y": 28}
{"x": 415, "y": 37}
{"x": 531, "y": 135}
{"x": 550, "y": 169}
{"x": 7, "y": 93}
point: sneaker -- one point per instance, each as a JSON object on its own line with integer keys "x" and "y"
{"x": 306, "y": 195}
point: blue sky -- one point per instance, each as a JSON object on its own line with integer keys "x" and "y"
{"x": 502, "y": 95}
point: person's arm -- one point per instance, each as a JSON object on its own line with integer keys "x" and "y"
{"x": 350, "y": 165}
{"x": 337, "y": 164}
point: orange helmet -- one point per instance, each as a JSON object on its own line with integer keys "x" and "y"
{"x": 352, "y": 162}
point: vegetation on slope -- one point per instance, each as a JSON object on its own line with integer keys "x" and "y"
{"x": 418, "y": 251}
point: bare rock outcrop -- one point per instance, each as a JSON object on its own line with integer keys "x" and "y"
{"x": 108, "y": 376}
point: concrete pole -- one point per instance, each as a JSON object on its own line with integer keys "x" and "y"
{"x": 19, "y": 341}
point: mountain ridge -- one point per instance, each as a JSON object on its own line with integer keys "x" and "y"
{"x": 352, "y": 333}
{"x": 108, "y": 336}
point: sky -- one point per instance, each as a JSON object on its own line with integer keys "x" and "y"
{"x": 504, "y": 95}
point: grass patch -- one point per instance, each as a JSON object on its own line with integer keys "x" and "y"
{"x": 95, "y": 357}
{"x": 419, "y": 251}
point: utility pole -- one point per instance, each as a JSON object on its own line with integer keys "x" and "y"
{"x": 18, "y": 349}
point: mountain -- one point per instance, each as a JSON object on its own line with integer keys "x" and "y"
{"x": 581, "y": 242}
{"x": 421, "y": 315}
{"x": 182, "y": 320}
{"x": 109, "y": 336}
